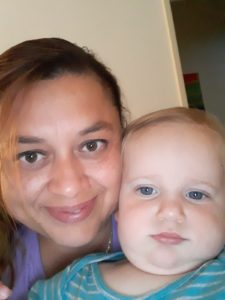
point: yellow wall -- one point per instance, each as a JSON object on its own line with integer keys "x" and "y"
{"x": 133, "y": 37}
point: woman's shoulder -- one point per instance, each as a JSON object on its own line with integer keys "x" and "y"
{"x": 24, "y": 232}
{"x": 25, "y": 240}
{"x": 27, "y": 253}
{"x": 27, "y": 261}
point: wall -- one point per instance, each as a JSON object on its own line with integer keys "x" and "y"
{"x": 200, "y": 32}
{"x": 133, "y": 37}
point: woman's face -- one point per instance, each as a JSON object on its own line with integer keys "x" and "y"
{"x": 69, "y": 159}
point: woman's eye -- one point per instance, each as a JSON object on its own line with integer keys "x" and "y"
{"x": 146, "y": 191}
{"x": 195, "y": 195}
{"x": 93, "y": 145}
{"x": 30, "y": 156}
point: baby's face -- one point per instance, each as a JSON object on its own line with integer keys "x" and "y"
{"x": 172, "y": 204}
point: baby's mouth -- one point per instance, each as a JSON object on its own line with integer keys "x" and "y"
{"x": 170, "y": 238}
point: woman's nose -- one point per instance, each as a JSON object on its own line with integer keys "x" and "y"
{"x": 68, "y": 177}
{"x": 171, "y": 210}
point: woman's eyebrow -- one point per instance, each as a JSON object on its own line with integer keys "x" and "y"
{"x": 29, "y": 140}
{"x": 101, "y": 125}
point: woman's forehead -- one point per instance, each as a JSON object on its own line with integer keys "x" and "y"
{"x": 78, "y": 95}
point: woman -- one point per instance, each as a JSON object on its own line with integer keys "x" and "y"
{"x": 61, "y": 120}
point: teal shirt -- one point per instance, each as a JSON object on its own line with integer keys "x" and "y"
{"x": 83, "y": 280}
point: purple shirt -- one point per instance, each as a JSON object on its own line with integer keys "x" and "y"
{"x": 28, "y": 264}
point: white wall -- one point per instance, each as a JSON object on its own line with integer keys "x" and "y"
{"x": 201, "y": 38}
{"x": 131, "y": 36}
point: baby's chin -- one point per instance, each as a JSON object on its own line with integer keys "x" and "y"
{"x": 178, "y": 271}
{"x": 167, "y": 268}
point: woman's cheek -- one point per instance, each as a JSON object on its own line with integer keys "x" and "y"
{"x": 32, "y": 186}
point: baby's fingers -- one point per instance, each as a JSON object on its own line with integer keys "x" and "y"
{"x": 5, "y": 292}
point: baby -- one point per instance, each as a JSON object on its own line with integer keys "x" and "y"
{"x": 171, "y": 217}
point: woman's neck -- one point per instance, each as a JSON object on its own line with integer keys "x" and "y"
{"x": 56, "y": 257}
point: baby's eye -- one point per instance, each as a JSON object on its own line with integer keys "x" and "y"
{"x": 93, "y": 145}
{"x": 146, "y": 191}
{"x": 30, "y": 157}
{"x": 195, "y": 195}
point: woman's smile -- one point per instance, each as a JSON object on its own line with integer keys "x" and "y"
{"x": 72, "y": 214}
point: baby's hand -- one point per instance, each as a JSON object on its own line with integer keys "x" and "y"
{"x": 5, "y": 292}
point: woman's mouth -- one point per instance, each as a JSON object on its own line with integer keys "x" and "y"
{"x": 72, "y": 214}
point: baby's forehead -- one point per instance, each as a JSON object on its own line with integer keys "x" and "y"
{"x": 162, "y": 128}
{"x": 179, "y": 131}
{"x": 171, "y": 131}
{"x": 171, "y": 126}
